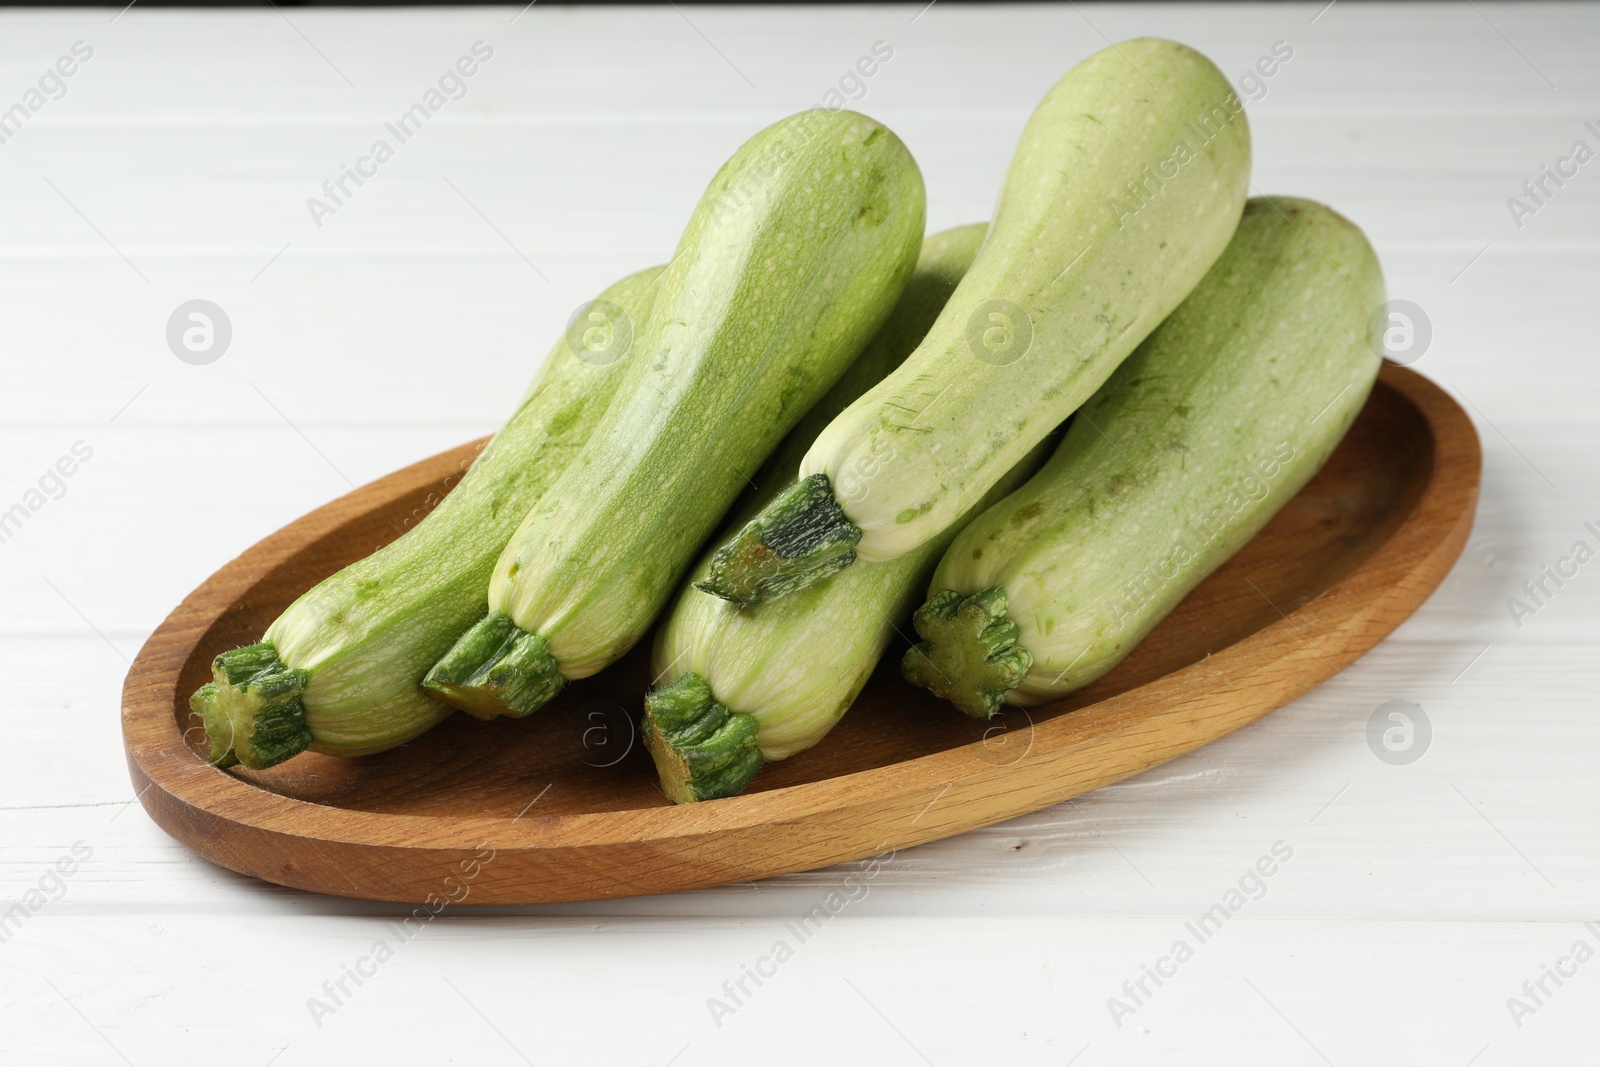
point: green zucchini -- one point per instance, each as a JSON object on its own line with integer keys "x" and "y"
{"x": 788, "y": 672}
{"x": 747, "y": 686}
{"x": 1190, "y": 448}
{"x": 340, "y": 670}
{"x": 1126, "y": 185}
{"x": 792, "y": 260}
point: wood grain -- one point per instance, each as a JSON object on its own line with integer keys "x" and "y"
{"x": 567, "y": 805}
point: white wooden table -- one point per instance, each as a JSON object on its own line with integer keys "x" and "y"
{"x": 176, "y": 165}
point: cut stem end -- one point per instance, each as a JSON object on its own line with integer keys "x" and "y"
{"x": 969, "y": 653}
{"x": 251, "y": 709}
{"x": 702, "y": 751}
{"x": 496, "y": 668}
{"x": 798, "y": 539}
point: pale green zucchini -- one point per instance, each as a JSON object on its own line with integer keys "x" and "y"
{"x": 792, "y": 260}
{"x": 340, "y": 670}
{"x": 743, "y": 686}
{"x": 1190, "y": 448}
{"x": 1126, "y": 185}
{"x": 765, "y": 683}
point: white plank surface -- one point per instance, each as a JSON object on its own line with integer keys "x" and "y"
{"x": 177, "y": 165}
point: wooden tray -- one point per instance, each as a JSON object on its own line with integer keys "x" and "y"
{"x": 564, "y": 805}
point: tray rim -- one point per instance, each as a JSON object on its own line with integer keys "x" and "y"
{"x": 189, "y": 798}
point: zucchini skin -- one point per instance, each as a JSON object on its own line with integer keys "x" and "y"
{"x": 792, "y": 260}
{"x": 774, "y": 680}
{"x": 1064, "y": 194}
{"x": 359, "y": 642}
{"x": 1081, "y": 263}
{"x": 1196, "y": 441}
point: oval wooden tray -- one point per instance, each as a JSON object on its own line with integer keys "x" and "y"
{"x": 564, "y": 805}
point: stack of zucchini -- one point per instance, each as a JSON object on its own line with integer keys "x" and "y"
{"x": 894, "y": 401}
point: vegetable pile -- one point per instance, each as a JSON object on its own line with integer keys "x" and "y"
{"x": 870, "y": 418}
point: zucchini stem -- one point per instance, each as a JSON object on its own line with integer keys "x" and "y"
{"x": 969, "y": 653}
{"x": 798, "y": 539}
{"x": 702, "y": 751}
{"x": 251, "y": 709}
{"x": 496, "y": 668}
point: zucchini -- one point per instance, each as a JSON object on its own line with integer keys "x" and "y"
{"x": 792, "y": 260}
{"x": 1190, "y": 448}
{"x": 749, "y": 686}
{"x": 743, "y": 686}
{"x": 1126, "y": 185}
{"x": 339, "y": 670}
